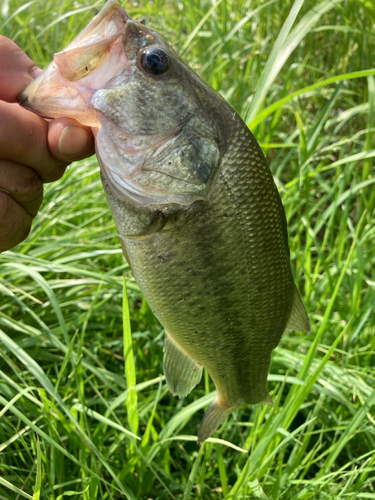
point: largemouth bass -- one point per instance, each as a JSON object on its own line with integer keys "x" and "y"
{"x": 200, "y": 219}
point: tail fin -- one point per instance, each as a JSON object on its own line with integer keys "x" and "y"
{"x": 214, "y": 416}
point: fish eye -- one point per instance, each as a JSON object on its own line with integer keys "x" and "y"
{"x": 155, "y": 60}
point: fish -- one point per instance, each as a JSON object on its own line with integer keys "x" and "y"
{"x": 198, "y": 214}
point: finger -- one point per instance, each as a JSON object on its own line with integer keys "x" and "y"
{"x": 22, "y": 184}
{"x": 68, "y": 140}
{"x": 26, "y": 138}
{"x": 15, "y": 222}
{"x": 23, "y": 139}
{"x": 17, "y": 70}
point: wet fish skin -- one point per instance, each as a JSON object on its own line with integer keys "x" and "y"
{"x": 199, "y": 216}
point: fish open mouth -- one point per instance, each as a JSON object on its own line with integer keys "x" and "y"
{"x": 65, "y": 88}
{"x": 119, "y": 78}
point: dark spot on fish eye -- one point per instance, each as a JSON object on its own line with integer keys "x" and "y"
{"x": 155, "y": 60}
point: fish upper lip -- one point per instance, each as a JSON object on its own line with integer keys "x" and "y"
{"x": 106, "y": 29}
{"x": 111, "y": 7}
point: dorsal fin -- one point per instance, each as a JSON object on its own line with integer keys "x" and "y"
{"x": 298, "y": 319}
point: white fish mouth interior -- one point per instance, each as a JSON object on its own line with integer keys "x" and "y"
{"x": 90, "y": 49}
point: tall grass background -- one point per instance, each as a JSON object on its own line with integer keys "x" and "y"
{"x": 85, "y": 411}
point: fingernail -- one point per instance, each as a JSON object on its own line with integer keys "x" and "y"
{"x": 73, "y": 140}
{"x": 35, "y": 71}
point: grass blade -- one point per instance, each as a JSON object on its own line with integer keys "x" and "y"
{"x": 357, "y": 420}
{"x": 256, "y": 120}
{"x": 275, "y": 62}
{"x": 38, "y": 479}
{"x": 132, "y": 398}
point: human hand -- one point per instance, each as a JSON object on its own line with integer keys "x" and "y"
{"x": 32, "y": 149}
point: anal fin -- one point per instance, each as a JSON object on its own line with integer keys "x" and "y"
{"x": 180, "y": 370}
{"x": 298, "y": 319}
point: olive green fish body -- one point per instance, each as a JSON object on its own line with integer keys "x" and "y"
{"x": 218, "y": 274}
{"x": 198, "y": 214}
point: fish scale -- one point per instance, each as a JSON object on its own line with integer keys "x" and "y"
{"x": 214, "y": 267}
{"x": 199, "y": 217}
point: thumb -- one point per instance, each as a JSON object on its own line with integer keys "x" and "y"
{"x": 69, "y": 141}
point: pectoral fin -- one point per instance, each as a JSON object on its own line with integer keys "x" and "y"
{"x": 298, "y": 319}
{"x": 156, "y": 225}
{"x": 181, "y": 371}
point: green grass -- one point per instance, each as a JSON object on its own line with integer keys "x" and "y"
{"x": 302, "y": 76}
